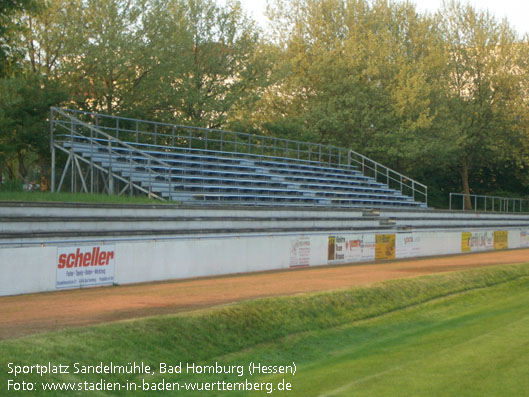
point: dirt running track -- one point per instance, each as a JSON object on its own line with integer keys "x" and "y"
{"x": 27, "y": 314}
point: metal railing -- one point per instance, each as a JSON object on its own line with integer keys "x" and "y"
{"x": 488, "y": 203}
{"x": 228, "y": 143}
{"x": 71, "y": 129}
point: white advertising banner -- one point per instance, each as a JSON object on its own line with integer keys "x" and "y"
{"x": 300, "y": 251}
{"x": 85, "y": 266}
{"x": 408, "y": 245}
{"x": 524, "y": 238}
{"x": 477, "y": 241}
{"x": 351, "y": 248}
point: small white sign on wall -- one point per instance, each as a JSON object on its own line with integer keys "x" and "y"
{"x": 300, "y": 251}
{"x": 85, "y": 266}
{"x": 408, "y": 245}
{"x": 524, "y": 238}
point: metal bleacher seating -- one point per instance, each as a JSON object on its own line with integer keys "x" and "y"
{"x": 200, "y": 166}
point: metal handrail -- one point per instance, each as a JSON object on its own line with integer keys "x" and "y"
{"x": 72, "y": 133}
{"x": 495, "y": 203}
{"x": 174, "y": 135}
{"x": 111, "y": 138}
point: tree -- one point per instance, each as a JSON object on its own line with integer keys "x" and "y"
{"x": 14, "y": 139}
{"x": 24, "y": 108}
{"x": 191, "y": 61}
{"x": 520, "y": 109}
{"x": 45, "y": 37}
{"x": 208, "y": 61}
{"x": 106, "y": 53}
{"x": 9, "y": 53}
{"x": 358, "y": 74}
{"x": 483, "y": 83}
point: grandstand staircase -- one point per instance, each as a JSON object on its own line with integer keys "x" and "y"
{"x": 119, "y": 156}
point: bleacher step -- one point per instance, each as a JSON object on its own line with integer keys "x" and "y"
{"x": 196, "y": 178}
{"x": 388, "y": 221}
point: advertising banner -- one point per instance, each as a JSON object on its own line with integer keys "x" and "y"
{"x": 408, "y": 245}
{"x": 477, "y": 241}
{"x": 85, "y": 266}
{"x": 524, "y": 238}
{"x": 331, "y": 253}
{"x": 501, "y": 240}
{"x": 300, "y": 250}
{"x": 385, "y": 246}
{"x": 351, "y": 248}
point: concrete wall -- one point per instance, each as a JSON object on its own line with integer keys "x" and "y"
{"x": 26, "y": 270}
{"x": 37, "y": 269}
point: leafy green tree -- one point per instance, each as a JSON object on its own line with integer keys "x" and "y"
{"x": 208, "y": 61}
{"x": 520, "y": 110}
{"x": 482, "y": 85}
{"x": 10, "y": 54}
{"x": 45, "y": 37}
{"x": 421, "y": 93}
{"x": 24, "y": 138}
{"x": 106, "y": 52}
{"x": 191, "y": 61}
{"x": 358, "y": 74}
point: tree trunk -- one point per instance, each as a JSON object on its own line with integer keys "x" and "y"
{"x": 44, "y": 172}
{"x": 10, "y": 172}
{"x": 466, "y": 187}
{"x": 21, "y": 166}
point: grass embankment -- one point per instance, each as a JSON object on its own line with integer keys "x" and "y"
{"x": 461, "y": 333}
{"x": 77, "y": 198}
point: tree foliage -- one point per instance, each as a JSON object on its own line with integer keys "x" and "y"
{"x": 208, "y": 62}
{"x": 24, "y": 107}
{"x": 10, "y": 54}
{"x": 421, "y": 93}
{"x": 441, "y": 97}
{"x": 482, "y": 87}
{"x": 356, "y": 74}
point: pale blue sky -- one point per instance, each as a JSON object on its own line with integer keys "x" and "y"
{"x": 516, "y": 11}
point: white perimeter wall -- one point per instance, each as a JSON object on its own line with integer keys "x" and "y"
{"x": 35, "y": 269}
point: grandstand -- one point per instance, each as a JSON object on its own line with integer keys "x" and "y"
{"x": 235, "y": 203}
{"x": 193, "y": 165}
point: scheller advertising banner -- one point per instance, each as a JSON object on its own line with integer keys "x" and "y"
{"x": 85, "y": 266}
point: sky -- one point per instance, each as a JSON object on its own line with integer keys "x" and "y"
{"x": 516, "y": 11}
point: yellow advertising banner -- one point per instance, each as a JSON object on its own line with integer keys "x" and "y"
{"x": 385, "y": 246}
{"x": 465, "y": 241}
{"x": 501, "y": 239}
{"x": 332, "y": 248}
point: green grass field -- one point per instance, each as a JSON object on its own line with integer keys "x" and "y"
{"x": 78, "y": 198}
{"x": 455, "y": 334}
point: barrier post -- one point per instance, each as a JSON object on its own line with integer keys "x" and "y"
{"x": 52, "y": 146}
